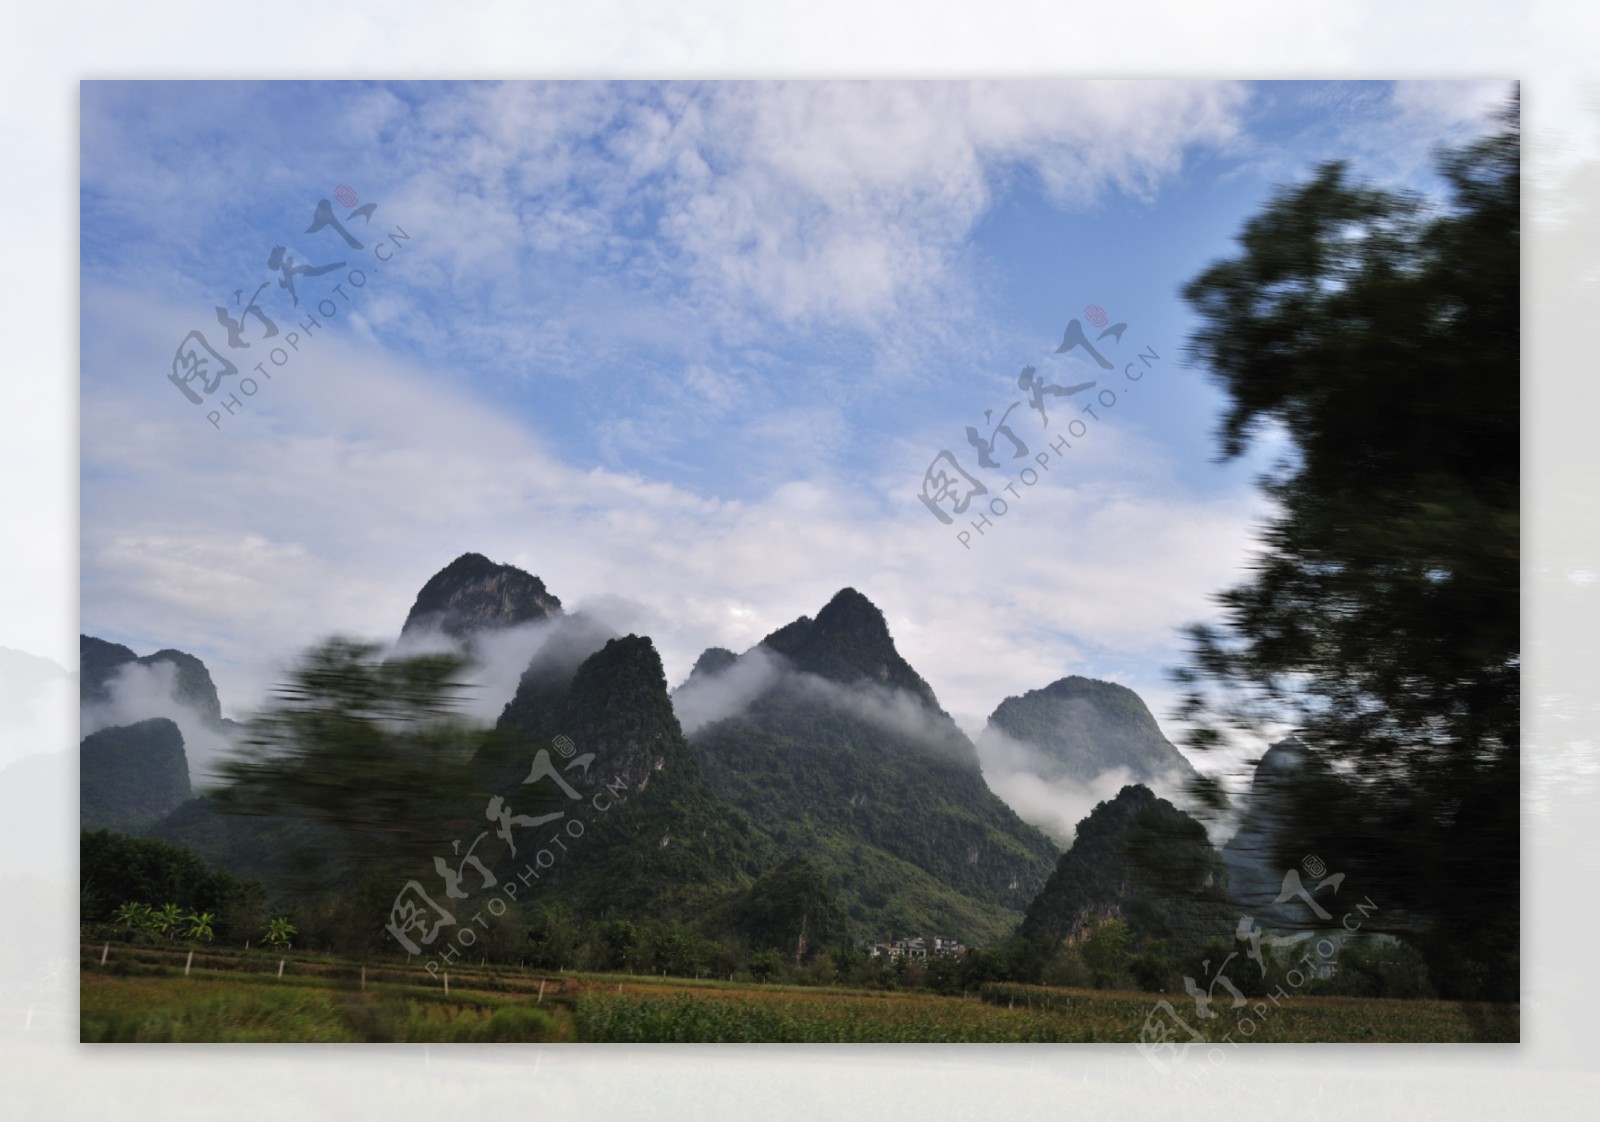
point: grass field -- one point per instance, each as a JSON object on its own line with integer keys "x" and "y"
{"x": 135, "y": 1000}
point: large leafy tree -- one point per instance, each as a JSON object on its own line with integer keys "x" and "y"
{"x": 1379, "y": 332}
{"x": 373, "y": 748}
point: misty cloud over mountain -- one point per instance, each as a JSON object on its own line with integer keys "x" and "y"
{"x": 168, "y": 684}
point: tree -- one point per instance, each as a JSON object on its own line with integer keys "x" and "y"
{"x": 619, "y": 944}
{"x": 279, "y": 933}
{"x": 132, "y": 916}
{"x": 1105, "y": 952}
{"x": 198, "y": 926}
{"x": 166, "y": 919}
{"x": 371, "y": 747}
{"x": 1381, "y": 335}
{"x": 766, "y": 963}
{"x": 113, "y": 867}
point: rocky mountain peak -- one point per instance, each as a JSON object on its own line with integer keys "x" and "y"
{"x": 473, "y": 594}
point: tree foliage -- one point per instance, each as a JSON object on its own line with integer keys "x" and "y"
{"x": 368, "y": 746}
{"x": 1380, "y": 334}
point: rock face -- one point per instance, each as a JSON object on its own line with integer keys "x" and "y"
{"x": 1082, "y": 727}
{"x": 132, "y": 775}
{"x": 101, "y": 662}
{"x": 1139, "y": 859}
{"x": 842, "y": 754}
{"x": 473, "y": 594}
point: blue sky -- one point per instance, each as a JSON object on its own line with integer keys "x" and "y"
{"x": 684, "y": 351}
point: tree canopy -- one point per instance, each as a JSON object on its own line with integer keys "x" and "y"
{"x": 371, "y": 747}
{"x": 1379, "y": 332}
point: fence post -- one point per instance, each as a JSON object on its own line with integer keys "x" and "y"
{"x": 105, "y": 951}
{"x": 541, "y": 993}
{"x": 280, "y": 968}
{"x": 363, "y": 976}
{"x": 447, "y": 984}
{"x": 188, "y": 963}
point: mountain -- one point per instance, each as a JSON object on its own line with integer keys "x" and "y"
{"x": 542, "y": 688}
{"x": 23, "y": 676}
{"x": 655, "y": 840}
{"x": 473, "y": 594}
{"x": 132, "y": 775}
{"x": 97, "y": 660}
{"x": 1079, "y": 728}
{"x": 1256, "y": 868}
{"x": 839, "y": 751}
{"x": 713, "y": 661}
{"x": 1139, "y": 859}
{"x": 849, "y": 642}
{"x": 101, "y": 662}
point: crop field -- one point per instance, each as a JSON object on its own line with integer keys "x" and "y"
{"x": 150, "y": 1002}
{"x": 685, "y": 1012}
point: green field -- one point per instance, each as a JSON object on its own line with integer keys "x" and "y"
{"x": 149, "y": 998}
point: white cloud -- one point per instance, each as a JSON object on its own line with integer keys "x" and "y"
{"x": 353, "y": 477}
{"x": 1023, "y": 775}
{"x": 141, "y": 691}
{"x": 708, "y": 698}
{"x": 850, "y": 201}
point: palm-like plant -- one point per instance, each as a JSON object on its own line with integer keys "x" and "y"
{"x": 132, "y": 914}
{"x": 166, "y": 919}
{"x": 280, "y": 931}
{"x": 199, "y": 926}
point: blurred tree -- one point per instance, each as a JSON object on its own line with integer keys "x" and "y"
{"x": 371, "y": 747}
{"x": 1380, "y": 334}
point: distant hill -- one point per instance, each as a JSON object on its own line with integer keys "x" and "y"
{"x": 713, "y": 661}
{"x": 473, "y": 594}
{"x": 849, "y": 642}
{"x": 97, "y": 659}
{"x": 1139, "y": 859}
{"x": 23, "y": 675}
{"x": 35, "y": 694}
{"x": 1256, "y": 865}
{"x": 132, "y": 775}
{"x": 656, "y": 840}
{"x": 100, "y": 662}
{"x": 843, "y": 755}
{"x": 1083, "y": 727}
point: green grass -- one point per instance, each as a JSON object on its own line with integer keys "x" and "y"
{"x": 167, "y": 1008}
{"x": 163, "y": 1006}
